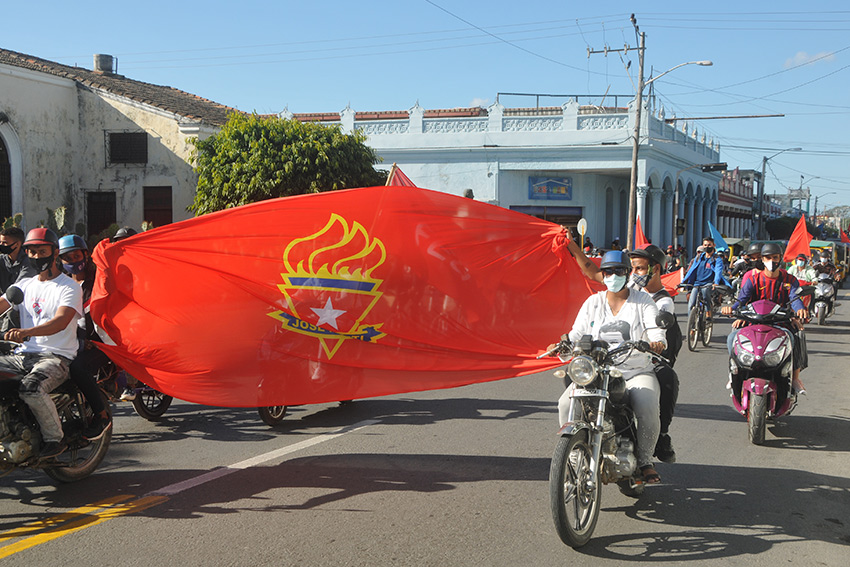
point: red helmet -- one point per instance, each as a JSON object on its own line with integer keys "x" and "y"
{"x": 39, "y": 236}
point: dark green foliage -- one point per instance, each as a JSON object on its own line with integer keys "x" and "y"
{"x": 254, "y": 158}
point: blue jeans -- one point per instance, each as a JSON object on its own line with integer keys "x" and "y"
{"x": 705, "y": 290}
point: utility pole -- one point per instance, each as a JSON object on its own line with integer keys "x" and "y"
{"x": 630, "y": 226}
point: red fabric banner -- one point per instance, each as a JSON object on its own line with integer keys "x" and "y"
{"x": 640, "y": 238}
{"x": 335, "y": 296}
{"x": 799, "y": 241}
{"x": 844, "y": 237}
{"x": 398, "y": 178}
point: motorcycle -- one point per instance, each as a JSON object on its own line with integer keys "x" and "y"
{"x": 761, "y": 366}
{"x": 597, "y": 444}
{"x": 824, "y": 302}
{"x": 20, "y": 437}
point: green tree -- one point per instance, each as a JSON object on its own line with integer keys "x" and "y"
{"x": 255, "y": 158}
{"x": 783, "y": 227}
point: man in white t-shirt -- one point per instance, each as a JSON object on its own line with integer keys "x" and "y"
{"x": 48, "y": 335}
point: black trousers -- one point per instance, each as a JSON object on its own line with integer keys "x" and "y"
{"x": 83, "y": 370}
{"x": 668, "y": 381}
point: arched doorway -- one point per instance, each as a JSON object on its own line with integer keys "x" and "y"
{"x": 5, "y": 182}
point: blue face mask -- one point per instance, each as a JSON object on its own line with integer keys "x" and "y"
{"x": 75, "y": 268}
{"x": 614, "y": 283}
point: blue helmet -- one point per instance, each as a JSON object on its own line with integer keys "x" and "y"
{"x": 71, "y": 242}
{"x": 615, "y": 259}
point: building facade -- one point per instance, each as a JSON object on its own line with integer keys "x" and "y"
{"x": 558, "y": 163}
{"x": 736, "y": 203}
{"x": 107, "y": 148}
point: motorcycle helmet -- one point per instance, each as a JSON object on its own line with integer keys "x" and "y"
{"x": 770, "y": 248}
{"x": 754, "y": 249}
{"x": 616, "y": 259}
{"x": 651, "y": 252}
{"x": 72, "y": 242}
{"x": 39, "y": 236}
{"x": 122, "y": 233}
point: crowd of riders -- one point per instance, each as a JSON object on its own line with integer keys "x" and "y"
{"x": 633, "y": 285}
{"x": 52, "y": 326}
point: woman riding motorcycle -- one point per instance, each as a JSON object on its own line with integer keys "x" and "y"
{"x": 617, "y": 315}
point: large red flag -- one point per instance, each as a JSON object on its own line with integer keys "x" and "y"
{"x": 640, "y": 239}
{"x": 398, "y": 178}
{"x": 799, "y": 241}
{"x": 334, "y": 296}
{"x": 672, "y": 280}
{"x": 844, "y": 237}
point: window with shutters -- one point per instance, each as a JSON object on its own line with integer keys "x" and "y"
{"x": 126, "y": 148}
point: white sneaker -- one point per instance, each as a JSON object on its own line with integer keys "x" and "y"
{"x": 128, "y": 395}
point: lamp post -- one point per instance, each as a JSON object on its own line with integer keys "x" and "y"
{"x": 760, "y": 197}
{"x": 705, "y": 167}
{"x": 816, "y": 201}
{"x": 636, "y": 142}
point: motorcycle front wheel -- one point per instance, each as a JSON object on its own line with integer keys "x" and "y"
{"x": 272, "y": 415}
{"x": 693, "y": 328}
{"x": 574, "y": 490}
{"x": 151, "y": 404}
{"x": 82, "y": 457}
{"x": 756, "y": 418}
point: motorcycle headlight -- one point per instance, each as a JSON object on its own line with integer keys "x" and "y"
{"x": 582, "y": 370}
{"x": 744, "y": 351}
{"x": 777, "y": 350}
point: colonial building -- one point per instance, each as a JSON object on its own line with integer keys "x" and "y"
{"x": 560, "y": 163}
{"x": 736, "y": 202}
{"x": 108, "y": 148}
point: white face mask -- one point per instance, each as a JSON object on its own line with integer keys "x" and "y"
{"x": 614, "y": 283}
{"x": 801, "y": 263}
{"x": 769, "y": 265}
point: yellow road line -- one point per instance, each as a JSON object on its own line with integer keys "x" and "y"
{"x": 40, "y": 525}
{"x": 84, "y": 520}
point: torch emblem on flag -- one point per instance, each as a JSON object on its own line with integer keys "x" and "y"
{"x": 329, "y": 285}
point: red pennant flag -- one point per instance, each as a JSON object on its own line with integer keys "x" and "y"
{"x": 799, "y": 241}
{"x": 335, "y": 296}
{"x": 844, "y": 237}
{"x": 672, "y": 280}
{"x": 640, "y": 239}
{"x": 397, "y": 178}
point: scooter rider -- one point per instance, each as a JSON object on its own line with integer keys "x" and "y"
{"x": 775, "y": 284}
{"x": 52, "y": 304}
{"x": 617, "y": 315}
{"x": 749, "y": 260}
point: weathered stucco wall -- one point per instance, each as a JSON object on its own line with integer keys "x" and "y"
{"x": 43, "y": 123}
{"x": 56, "y": 133}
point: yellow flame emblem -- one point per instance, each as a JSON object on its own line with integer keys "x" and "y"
{"x": 329, "y": 282}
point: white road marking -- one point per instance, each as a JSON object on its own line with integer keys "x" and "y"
{"x": 178, "y": 487}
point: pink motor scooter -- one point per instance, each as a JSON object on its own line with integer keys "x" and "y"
{"x": 761, "y": 366}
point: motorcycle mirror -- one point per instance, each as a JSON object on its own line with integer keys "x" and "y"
{"x": 14, "y": 295}
{"x": 665, "y": 319}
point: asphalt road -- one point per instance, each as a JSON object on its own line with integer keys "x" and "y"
{"x": 451, "y": 477}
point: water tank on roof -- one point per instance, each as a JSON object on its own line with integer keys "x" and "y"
{"x": 103, "y": 63}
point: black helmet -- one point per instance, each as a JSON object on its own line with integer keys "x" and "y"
{"x": 39, "y": 236}
{"x": 122, "y": 233}
{"x": 754, "y": 249}
{"x": 615, "y": 259}
{"x": 651, "y": 252}
{"x": 771, "y": 248}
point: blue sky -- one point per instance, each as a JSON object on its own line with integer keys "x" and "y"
{"x": 775, "y": 57}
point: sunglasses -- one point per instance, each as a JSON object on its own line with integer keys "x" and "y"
{"x": 614, "y": 271}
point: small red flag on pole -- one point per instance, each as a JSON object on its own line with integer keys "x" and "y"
{"x": 398, "y": 178}
{"x": 799, "y": 241}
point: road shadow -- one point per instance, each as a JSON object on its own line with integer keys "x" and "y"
{"x": 765, "y": 506}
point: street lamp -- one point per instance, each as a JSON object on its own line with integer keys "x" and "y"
{"x": 816, "y": 200}
{"x": 705, "y": 167}
{"x": 760, "y": 198}
{"x": 638, "y": 103}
